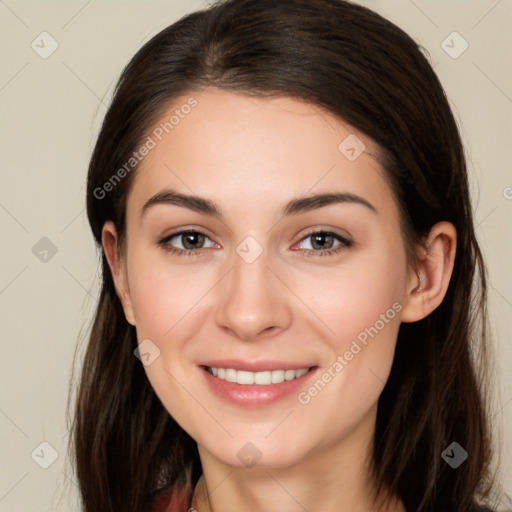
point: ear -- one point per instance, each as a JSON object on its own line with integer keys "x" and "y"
{"x": 117, "y": 266}
{"x": 427, "y": 287}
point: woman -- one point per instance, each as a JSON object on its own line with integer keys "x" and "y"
{"x": 291, "y": 278}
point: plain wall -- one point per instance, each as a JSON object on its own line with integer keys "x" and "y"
{"x": 51, "y": 110}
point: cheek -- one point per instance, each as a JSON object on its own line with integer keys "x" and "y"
{"x": 162, "y": 294}
{"x": 353, "y": 298}
{"x": 163, "y": 298}
{"x": 361, "y": 305}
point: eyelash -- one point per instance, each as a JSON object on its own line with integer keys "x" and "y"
{"x": 344, "y": 244}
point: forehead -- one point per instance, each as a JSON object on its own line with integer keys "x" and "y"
{"x": 256, "y": 152}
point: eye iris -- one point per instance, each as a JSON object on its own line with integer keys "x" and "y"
{"x": 317, "y": 236}
{"x": 186, "y": 237}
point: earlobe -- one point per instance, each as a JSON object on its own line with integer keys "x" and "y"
{"x": 110, "y": 244}
{"x": 428, "y": 285}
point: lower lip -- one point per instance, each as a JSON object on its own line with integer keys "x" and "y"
{"x": 255, "y": 394}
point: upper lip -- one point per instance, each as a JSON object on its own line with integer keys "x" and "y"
{"x": 254, "y": 366}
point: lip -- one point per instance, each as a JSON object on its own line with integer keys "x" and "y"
{"x": 255, "y": 395}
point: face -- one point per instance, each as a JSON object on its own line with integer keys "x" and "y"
{"x": 260, "y": 287}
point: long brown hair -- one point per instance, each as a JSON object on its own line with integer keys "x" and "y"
{"x": 357, "y": 65}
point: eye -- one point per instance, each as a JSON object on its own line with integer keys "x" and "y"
{"x": 324, "y": 240}
{"x": 192, "y": 242}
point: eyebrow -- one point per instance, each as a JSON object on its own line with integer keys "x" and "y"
{"x": 293, "y": 207}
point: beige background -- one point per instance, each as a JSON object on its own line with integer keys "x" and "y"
{"x": 50, "y": 111}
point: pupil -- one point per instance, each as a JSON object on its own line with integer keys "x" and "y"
{"x": 321, "y": 236}
{"x": 189, "y": 238}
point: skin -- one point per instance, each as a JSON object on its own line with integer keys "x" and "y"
{"x": 251, "y": 156}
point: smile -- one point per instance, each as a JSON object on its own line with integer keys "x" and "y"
{"x": 263, "y": 378}
{"x": 258, "y": 388}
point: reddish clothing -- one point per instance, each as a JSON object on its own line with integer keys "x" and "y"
{"x": 173, "y": 500}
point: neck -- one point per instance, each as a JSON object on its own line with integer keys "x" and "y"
{"x": 334, "y": 478}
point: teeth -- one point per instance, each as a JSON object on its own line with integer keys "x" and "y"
{"x": 264, "y": 378}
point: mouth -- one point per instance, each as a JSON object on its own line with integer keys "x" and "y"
{"x": 255, "y": 383}
{"x": 261, "y": 378}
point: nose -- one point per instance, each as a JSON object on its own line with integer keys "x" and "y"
{"x": 253, "y": 302}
